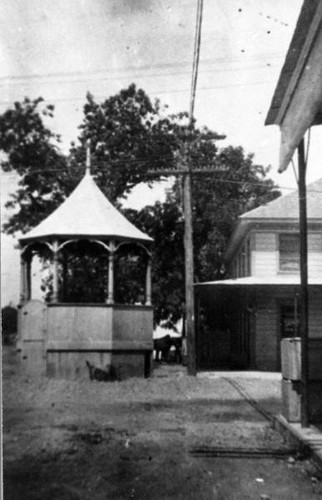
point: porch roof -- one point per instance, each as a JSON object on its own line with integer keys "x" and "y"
{"x": 259, "y": 281}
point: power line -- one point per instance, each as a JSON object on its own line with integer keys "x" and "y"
{"x": 158, "y": 92}
{"x": 227, "y": 181}
{"x": 132, "y": 161}
{"x": 219, "y": 60}
{"x": 196, "y": 57}
{"x": 262, "y": 66}
{"x": 80, "y": 168}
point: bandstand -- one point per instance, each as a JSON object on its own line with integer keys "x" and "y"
{"x": 58, "y": 335}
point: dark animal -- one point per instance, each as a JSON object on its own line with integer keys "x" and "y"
{"x": 162, "y": 347}
{"x": 108, "y": 375}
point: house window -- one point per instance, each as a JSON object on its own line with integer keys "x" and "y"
{"x": 289, "y": 250}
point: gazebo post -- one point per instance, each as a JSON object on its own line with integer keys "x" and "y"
{"x": 55, "y": 271}
{"x": 64, "y": 280}
{"x": 148, "y": 283}
{"x": 110, "y": 289}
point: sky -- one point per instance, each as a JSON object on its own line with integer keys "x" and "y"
{"x": 60, "y": 50}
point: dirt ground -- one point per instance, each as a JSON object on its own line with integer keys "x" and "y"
{"x": 148, "y": 439}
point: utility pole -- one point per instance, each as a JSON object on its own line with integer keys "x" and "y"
{"x": 189, "y": 316}
{"x": 186, "y": 171}
{"x": 189, "y": 275}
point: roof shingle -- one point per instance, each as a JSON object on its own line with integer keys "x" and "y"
{"x": 287, "y": 206}
{"x": 86, "y": 213}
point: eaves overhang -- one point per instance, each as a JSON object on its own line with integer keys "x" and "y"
{"x": 297, "y": 101}
{"x": 72, "y": 237}
{"x": 261, "y": 282}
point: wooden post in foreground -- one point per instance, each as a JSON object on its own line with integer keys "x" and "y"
{"x": 189, "y": 275}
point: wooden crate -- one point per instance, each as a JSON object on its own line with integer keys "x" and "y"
{"x": 291, "y": 358}
{"x": 291, "y": 400}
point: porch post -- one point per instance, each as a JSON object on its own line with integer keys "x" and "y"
{"x": 304, "y": 323}
{"x": 110, "y": 293}
{"x": 148, "y": 286}
{"x": 55, "y": 272}
{"x": 28, "y": 277}
{"x": 23, "y": 280}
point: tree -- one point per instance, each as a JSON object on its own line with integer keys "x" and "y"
{"x": 126, "y": 139}
{"x": 164, "y": 223}
{"x": 218, "y": 200}
{"x": 130, "y": 136}
{"x": 31, "y": 150}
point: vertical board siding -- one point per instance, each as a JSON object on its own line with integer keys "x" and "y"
{"x": 79, "y": 323}
{"x": 57, "y": 340}
{"x": 133, "y": 324}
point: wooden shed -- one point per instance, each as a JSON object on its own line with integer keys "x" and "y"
{"x": 56, "y": 337}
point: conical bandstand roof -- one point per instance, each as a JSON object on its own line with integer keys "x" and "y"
{"x": 86, "y": 213}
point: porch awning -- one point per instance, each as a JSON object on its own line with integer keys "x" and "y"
{"x": 297, "y": 101}
{"x": 256, "y": 281}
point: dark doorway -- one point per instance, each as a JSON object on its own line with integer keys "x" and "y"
{"x": 213, "y": 340}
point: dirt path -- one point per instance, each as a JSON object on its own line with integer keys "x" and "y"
{"x": 145, "y": 439}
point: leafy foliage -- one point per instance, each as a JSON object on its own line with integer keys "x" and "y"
{"x": 123, "y": 142}
{"x": 164, "y": 223}
{"x": 132, "y": 141}
{"x": 31, "y": 150}
{"x": 218, "y": 199}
